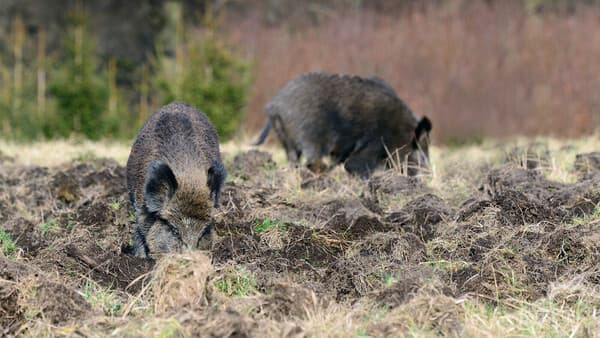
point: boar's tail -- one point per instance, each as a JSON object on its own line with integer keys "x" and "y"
{"x": 264, "y": 133}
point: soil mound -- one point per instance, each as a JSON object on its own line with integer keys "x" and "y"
{"x": 421, "y": 215}
{"x": 250, "y": 164}
{"x": 391, "y": 182}
{"x": 27, "y": 293}
{"x": 350, "y": 218}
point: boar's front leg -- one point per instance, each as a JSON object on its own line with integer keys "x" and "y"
{"x": 363, "y": 161}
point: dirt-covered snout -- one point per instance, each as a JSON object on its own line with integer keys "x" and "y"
{"x": 177, "y": 211}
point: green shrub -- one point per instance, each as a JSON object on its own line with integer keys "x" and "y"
{"x": 209, "y": 75}
{"x": 18, "y": 105}
{"x": 79, "y": 88}
{"x": 74, "y": 92}
{"x": 216, "y": 81}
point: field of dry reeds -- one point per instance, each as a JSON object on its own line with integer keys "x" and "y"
{"x": 478, "y": 70}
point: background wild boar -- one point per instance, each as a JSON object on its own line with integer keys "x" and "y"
{"x": 358, "y": 121}
{"x": 174, "y": 177}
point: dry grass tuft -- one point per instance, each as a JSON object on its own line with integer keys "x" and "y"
{"x": 438, "y": 314}
{"x": 180, "y": 281}
{"x": 56, "y": 152}
{"x": 542, "y": 318}
{"x": 574, "y": 290}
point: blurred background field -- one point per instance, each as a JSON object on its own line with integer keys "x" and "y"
{"x": 481, "y": 68}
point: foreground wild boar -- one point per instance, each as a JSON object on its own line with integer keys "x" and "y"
{"x": 174, "y": 177}
{"x": 358, "y": 121}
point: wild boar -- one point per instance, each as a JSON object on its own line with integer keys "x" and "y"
{"x": 174, "y": 178}
{"x": 358, "y": 121}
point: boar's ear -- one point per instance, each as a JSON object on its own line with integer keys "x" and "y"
{"x": 214, "y": 179}
{"x": 423, "y": 127}
{"x": 160, "y": 186}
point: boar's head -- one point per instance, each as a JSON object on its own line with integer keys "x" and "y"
{"x": 419, "y": 154}
{"x": 177, "y": 210}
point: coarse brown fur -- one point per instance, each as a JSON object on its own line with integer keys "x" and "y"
{"x": 174, "y": 177}
{"x": 355, "y": 120}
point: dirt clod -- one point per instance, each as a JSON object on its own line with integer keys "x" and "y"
{"x": 408, "y": 282}
{"x": 351, "y": 218}
{"x": 284, "y": 300}
{"x": 51, "y": 299}
{"x": 421, "y": 215}
{"x": 390, "y": 182}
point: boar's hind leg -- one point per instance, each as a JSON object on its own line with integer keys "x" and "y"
{"x": 292, "y": 152}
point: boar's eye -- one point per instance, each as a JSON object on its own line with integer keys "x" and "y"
{"x": 173, "y": 228}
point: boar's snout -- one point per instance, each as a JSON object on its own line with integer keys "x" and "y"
{"x": 417, "y": 160}
{"x": 165, "y": 238}
{"x": 197, "y": 237}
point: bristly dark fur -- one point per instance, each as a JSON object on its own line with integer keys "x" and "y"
{"x": 353, "y": 120}
{"x": 215, "y": 179}
{"x": 424, "y": 126}
{"x": 160, "y": 186}
{"x": 174, "y": 178}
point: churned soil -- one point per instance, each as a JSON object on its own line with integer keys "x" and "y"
{"x": 306, "y": 241}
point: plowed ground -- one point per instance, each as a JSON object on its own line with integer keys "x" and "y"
{"x": 296, "y": 254}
